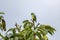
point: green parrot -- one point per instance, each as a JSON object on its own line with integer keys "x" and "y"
{"x": 33, "y": 17}
{"x": 3, "y": 25}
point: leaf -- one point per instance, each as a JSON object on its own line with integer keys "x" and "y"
{"x": 25, "y": 21}
{"x": 45, "y": 37}
{"x": 28, "y": 34}
{"x": 18, "y": 27}
{"x": 39, "y": 35}
{"x": 1, "y": 12}
{"x": 6, "y": 38}
{"x": 27, "y": 24}
{"x": 42, "y": 29}
{"x": 50, "y": 29}
{"x": 12, "y": 36}
{"x": 1, "y": 35}
{"x": 11, "y": 29}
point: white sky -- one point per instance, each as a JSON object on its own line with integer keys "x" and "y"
{"x": 47, "y": 12}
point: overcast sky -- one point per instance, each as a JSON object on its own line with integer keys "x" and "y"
{"x": 47, "y": 12}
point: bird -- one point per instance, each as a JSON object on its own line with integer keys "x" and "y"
{"x": 33, "y": 17}
{"x": 3, "y": 24}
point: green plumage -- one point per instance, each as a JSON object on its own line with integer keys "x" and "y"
{"x": 3, "y": 25}
{"x": 33, "y": 17}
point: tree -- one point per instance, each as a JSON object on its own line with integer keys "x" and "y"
{"x": 30, "y": 31}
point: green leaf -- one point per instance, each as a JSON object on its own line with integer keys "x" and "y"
{"x": 6, "y": 38}
{"x": 27, "y": 24}
{"x": 25, "y": 21}
{"x": 39, "y": 35}
{"x": 1, "y": 12}
{"x": 45, "y": 37}
{"x": 50, "y": 29}
{"x": 11, "y": 29}
{"x": 42, "y": 29}
{"x": 1, "y": 35}
{"x": 12, "y": 36}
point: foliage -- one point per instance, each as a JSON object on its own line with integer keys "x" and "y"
{"x": 30, "y": 31}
